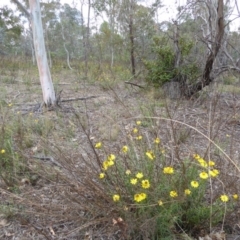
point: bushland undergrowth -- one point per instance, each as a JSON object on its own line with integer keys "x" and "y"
{"x": 150, "y": 181}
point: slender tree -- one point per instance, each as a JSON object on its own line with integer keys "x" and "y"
{"x": 40, "y": 52}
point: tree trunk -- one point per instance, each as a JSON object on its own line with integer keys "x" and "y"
{"x": 131, "y": 35}
{"x": 40, "y": 52}
{"x": 206, "y": 77}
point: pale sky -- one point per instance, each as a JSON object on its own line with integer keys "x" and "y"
{"x": 165, "y": 14}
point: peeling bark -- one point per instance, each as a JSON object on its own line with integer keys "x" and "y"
{"x": 40, "y": 52}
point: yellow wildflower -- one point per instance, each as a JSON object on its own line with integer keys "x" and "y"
{"x": 187, "y": 191}
{"x": 110, "y": 163}
{"x": 211, "y": 163}
{"x": 116, "y": 197}
{"x": 138, "y": 197}
{"x": 135, "y": 130}
{"x": 168, "y": 170}
{"x": 157, "y": 140}
{"x": 139, "y": 137}
{"x": 139, "y": 175}
{"x": 3, "y": 151}
{"x": 150, "y": 155}
{"x": 202, "y": 162}
{"x": 160, "y": 203}
{"x": 145, "y": 184}
{"x": 105, "y": 165}
{"x": 125, "y": 149}
{"x": 194, "y": 184}
{"x": 111, "y": 157}
{"x": 196, "y": 156}
{"x": 235, "y": 196}
{"x": 133, "y": 181}
{"x": 173, "y": 194}
{"x": 128, "y": 172}
{"x": 213, "y": 173}
{"x": 224, "y": 198}
{"x": 98, "y": 145}
{"x": 203, "y": 175}
{"x": 138, "y": 123}
{"x": 102, "y": 175}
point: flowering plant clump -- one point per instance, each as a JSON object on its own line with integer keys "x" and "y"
{"x": 142, "y": 179}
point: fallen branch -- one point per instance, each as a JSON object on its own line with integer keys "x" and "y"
{"x": 76, "y": 99}
{"x": 134, "y": 84}
{"x": 50, "y": 159}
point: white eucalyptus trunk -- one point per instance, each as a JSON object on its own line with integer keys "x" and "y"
{"x": 40, "y": 53}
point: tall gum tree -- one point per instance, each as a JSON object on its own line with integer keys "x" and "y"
{"x": 35, "y": 19}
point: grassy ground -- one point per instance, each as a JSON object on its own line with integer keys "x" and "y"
{"x": 50, "y": 164}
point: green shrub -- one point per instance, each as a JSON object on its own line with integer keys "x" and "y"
{"x": 162, "y": 68}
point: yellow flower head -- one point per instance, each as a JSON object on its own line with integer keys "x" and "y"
{"x": 138, "y": 123}
{"x": 160, "y": 203}
{"x": 202, "y": 162}
{"x": 235, "y": 196}
{"x": 145, "y": 184}
{"x": 111, "y": 157}
{"x": 194, "y": 184}
{"x": 168, "y": 170}
{"x": 3, "y": 151}
{"x": 102, "y": 175}
{"x": 150, "y": 155}
{"x": 10, "y": 104}
{"x": 98, "y": 145}
{"x": 116, "y": 197}
{"x": 125, "y": 149}
{"x": 173, "y": 194}
{"x": 196, "y": 156}
{"x": 139, "y": 175}
{"x": 203, "y": 175}
{"x": 135, "y": 130}
{"x": 187, "y": 191}
{"x": 138, "y": 197}
{"x": 128, "y": 172}
{"x": 157, "y": 140}
{"x": 110, "y": 163}
{"x": 224, "y": 198}
{"x": 133, "y": 181}
{"x": 139, "y": 137}
{"x": 105, "y": 165}
{"x": 211, "y": 163}
{"x": 213, "y": 173}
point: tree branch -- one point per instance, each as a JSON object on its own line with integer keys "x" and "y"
{"x": 22, "y": 8}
